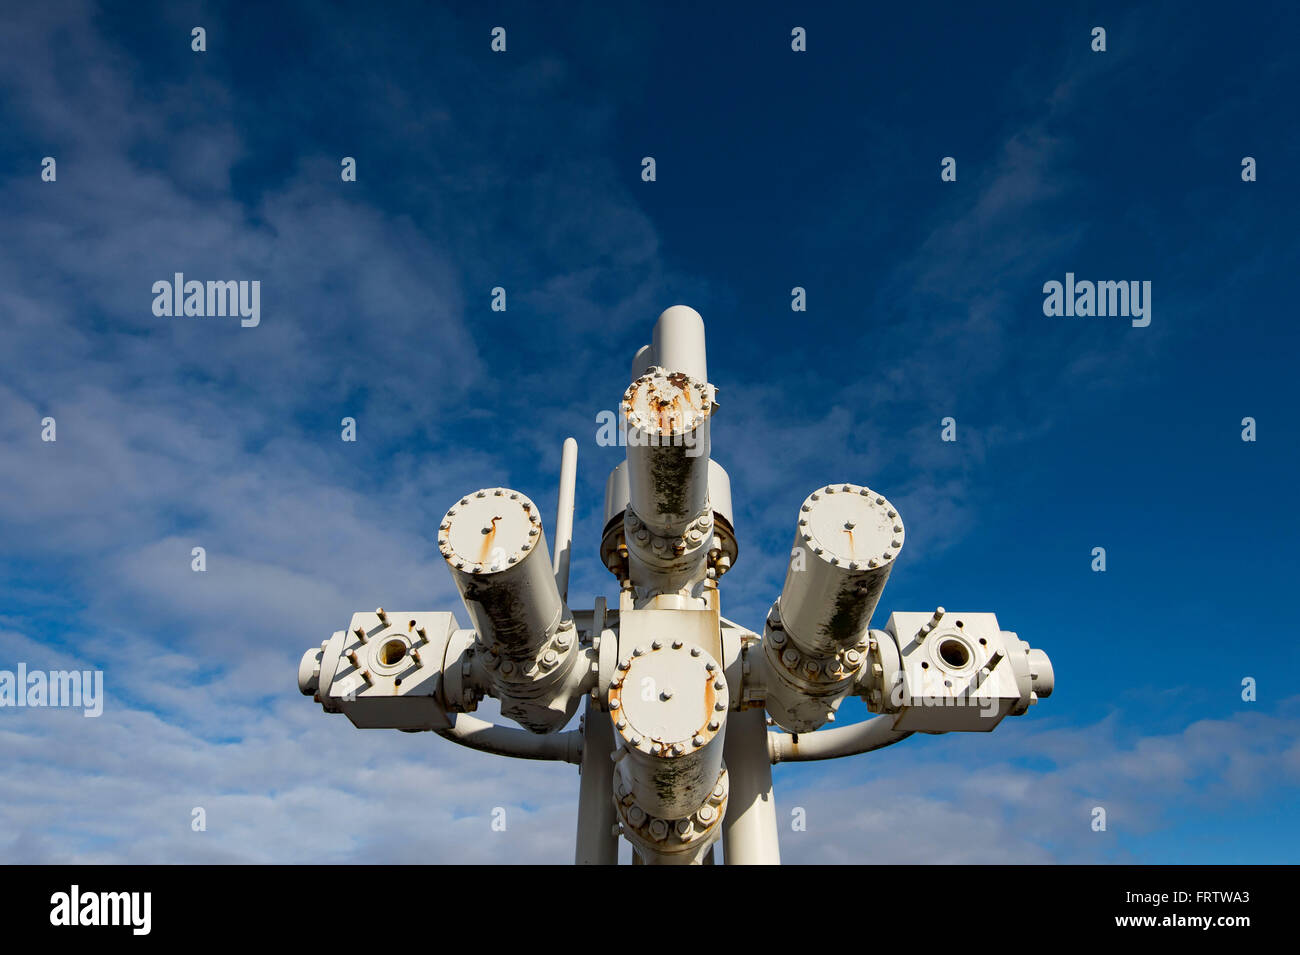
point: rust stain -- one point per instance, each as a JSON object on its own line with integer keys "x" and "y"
{"x": 668, "y": 404}
{"x": 488, "y": 538}
{"x": 661, "y": 406}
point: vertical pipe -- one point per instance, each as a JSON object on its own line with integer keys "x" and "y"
{"x": 667, "y": 451}
{"x": 617, "y": 494}
{"x": 749, "y": 828}
{"x": 564, "y": 515}
{"x": 597, "y": 844}
{"x": 678, "y": 344}
{"x": 643, "y": 361}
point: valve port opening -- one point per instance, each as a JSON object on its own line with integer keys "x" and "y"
{"x": 392, "y": 652}
{"x": 954, "y": 653}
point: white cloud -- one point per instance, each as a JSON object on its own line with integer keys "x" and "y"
{"x": 1027, "y": 793}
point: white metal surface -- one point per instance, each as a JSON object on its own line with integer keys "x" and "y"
{"x": 596, "y": 842}
{"x": 957, "y": 671}
{"x": 564, "y": 515}
{"x": 493, "y": 543}
{"x": 668, "y": 704}
{"x": 872, "y": 734}
{"x": 674, "y": 749}
{"x": 678, "y": 343}
{"x": 749, "y": 833}
{"x": 668, "y": 449}
{"x": 844, "y": 549}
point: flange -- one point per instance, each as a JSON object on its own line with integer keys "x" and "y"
{"x": 668, "y": 699}
{"x": 489, "y": 531}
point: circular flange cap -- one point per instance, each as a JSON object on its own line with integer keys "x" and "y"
{"x": 489, "y": 530}
{"x": 662, "y": 403}
{"x": 669, "y": 697}
{"x": 851, "y": 526}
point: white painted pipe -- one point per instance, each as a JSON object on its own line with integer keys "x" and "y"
{"x": 564, "y": 515}
{"x": 597, "y": 842}
{"x": 508, "y": 741}
{"x": 495, "y": 549}
{"x": 668, "y": 450}
{"x": 643, "y": 361}
{"x": 844, "y": 548}
{"x": 679, "y": 343}
{"x": 616, "y": 492}
{"x": 861, "y": 737}
{"x": 749, "y": 832}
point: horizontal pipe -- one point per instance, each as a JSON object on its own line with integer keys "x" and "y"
{"x": 508, "y": 741}
{"x": 861, "y": 737}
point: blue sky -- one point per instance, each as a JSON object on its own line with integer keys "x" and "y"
{"x": 775, "y": 169}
